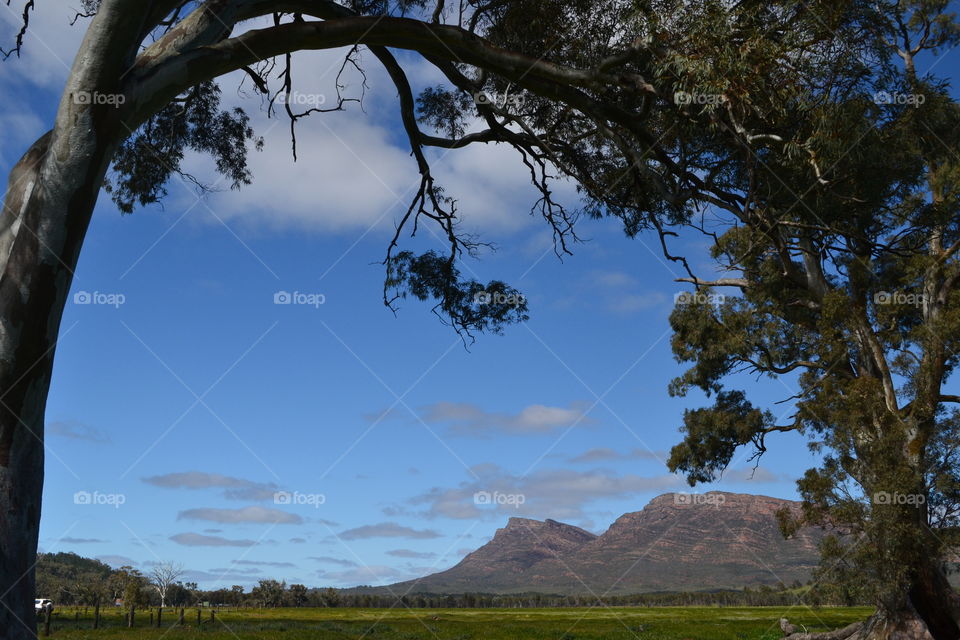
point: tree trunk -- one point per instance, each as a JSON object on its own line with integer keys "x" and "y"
{"x": 24, "y": 381}
{"x": 935, "y": 602}
{"x": 51, "y": 194}
{"x": 41, "y": 229}
{"x": 931, "y": 611}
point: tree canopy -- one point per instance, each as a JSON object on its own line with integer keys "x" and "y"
{"x": 800, "y": 138}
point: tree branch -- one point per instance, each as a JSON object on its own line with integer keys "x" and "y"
{"x": 720, "y": 282}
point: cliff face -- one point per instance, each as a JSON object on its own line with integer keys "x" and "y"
{"x": 727, "y": 541}
{"x": 677, "y": 542}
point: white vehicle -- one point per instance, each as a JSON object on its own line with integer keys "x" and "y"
{"x": 42, "y": 604}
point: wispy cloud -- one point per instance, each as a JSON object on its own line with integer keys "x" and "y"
{"x": 748, "y": 475}
{"x": 252, "y": 571}
{"x": 604, "y": 454}
{"x": 69, "y": 540}
{"x": 117, "y": 560}
{"x": 469, "y": 419}
{"x": 218, "y": 576}
{"x": 615, "y": 291}
{"x": 76, "y": 431}
{"x": 200, "y": 540}
{"x": 331, "y": 560}
{"x": 388, "y": 530}
{"x": 548, "y": 493}
{"x": 372, "y": 574}
{"x": 233, "y": 488}
{"x": 410, "y": 553}
{"x": 237, "y": 516}
{"x": 264, "y": 563}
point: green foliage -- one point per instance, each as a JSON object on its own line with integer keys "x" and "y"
{"x": 71, "y": 579}
{"x": 827, "y": 185}
{"x": 445, "y": 111}
{"x": 469, "y": 305}
{"x": 714, "y": 434}
{"x": 297, "y": 595}
{"x": 268, "y": 593}
{"x": 145, "y": 162}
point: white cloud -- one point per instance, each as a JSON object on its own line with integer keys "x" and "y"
{"x": 352, "y": 173}
{"x": 354, "y": 169}
{"x": 492, "y": 187}
{"x": 348, "y": 176}
{"x": 49, "y": 46}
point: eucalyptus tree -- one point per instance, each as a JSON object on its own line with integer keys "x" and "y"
{"x": 163, "y": 576}
{"x": 799, "y": 137}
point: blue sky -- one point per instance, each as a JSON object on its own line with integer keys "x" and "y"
{"x": 184, "y": 399}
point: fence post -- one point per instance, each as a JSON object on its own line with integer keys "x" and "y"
{"x": 199, "y": 622}
{"x": 46, "y": 620}
{"x": 181, "y": 616}
{"x": 159, "y": 613}
{"x": 130, "y": 619}
{"x": 96, "y": 614}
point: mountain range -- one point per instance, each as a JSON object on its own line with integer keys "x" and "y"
{"x": 678, "y": 541}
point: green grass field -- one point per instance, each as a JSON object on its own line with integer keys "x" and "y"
{"x": 665, "y": 623}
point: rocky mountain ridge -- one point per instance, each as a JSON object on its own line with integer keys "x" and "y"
{"x": 715, "y": 540}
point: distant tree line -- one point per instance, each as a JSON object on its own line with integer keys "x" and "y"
{"x": 815, "y": 595}
{"x": 72, "y": 580}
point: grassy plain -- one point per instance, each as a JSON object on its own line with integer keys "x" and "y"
{"x": 661, "y": 623}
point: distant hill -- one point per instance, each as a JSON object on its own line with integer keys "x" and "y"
{"x": 677, "y": 542}
{"x": 59, "y": 574}
{"x": 69, "y": 565}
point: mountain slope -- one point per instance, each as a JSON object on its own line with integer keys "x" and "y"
{"x": 727, "y": 540}
{"x": 510, "y": 558}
